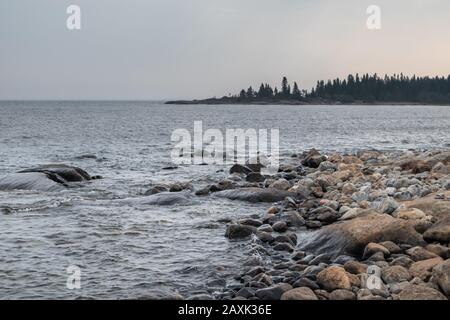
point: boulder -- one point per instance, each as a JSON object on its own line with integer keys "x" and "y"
{"x": 280, "y": 184}
{"x": 392, "y": 247}
{"x": 255, "y": 177}
{"x": 422, "y": 269}
{"x": 238, "y": 168}
{"x": 395, "y": 274}
{"x": 419, "y": 254}
{"x": 373, "y": 248}
{"x": 274, "y": 292}
{"x": 313, "y": 159}
{"x": 440, "y": 231}
{"x": 237, "y": 231}
{"x": 341, "y": 295}
{"x": 441, "y": 276}
{"x": 355, "y": 267}
{"x": 440, "y": 250}
{"x": 333, "y": 278}
{"x": 280, "y": 226}
{"x": 351, "y": 237}
{"x": 302, "y": 293}
{"x": 416, "y": 292}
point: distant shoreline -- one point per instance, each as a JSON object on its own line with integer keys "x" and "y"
{"x": 312, "y": 102}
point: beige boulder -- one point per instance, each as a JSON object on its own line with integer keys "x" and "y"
{"x": 422, "y": 269}
{"x": 416, "y": 292}
{"x": 351, "y": 237}
{"x": 333, "y": 278}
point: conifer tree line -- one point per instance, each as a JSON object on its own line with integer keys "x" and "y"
{"x": 354, "y": 88}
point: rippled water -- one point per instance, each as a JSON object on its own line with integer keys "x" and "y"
{"x": 126, "y": 251}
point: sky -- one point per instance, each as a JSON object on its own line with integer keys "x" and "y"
{"x": 183, "y": 49}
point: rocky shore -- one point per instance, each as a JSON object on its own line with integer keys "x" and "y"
{"x": 367, "y": 226}
{"x": 370, "y": 226}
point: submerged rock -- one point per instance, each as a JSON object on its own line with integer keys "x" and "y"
{"x": 44, "y": 178}
{"x": 163, "y": 199}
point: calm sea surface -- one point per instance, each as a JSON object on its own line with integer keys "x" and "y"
{"x": 127, "y": 251}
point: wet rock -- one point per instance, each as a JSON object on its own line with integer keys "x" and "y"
{"x": 255, "y": 271}
{"x": 298, "y": 255}
{"x": 351, "y": 237}
{"x": 415, "y": 292}
{"x": 204, "y": 297}
{"x": 255, "y": 177}
{"x": 273, "y": 210}
{"x": 325, "y": 214}
{"x": 419, "y": 253}
{"x": 343, "y": 259}
{"x": 441, "y": 276}
{"x": 265, "y": 236}
{"x": 283, "y": 247}
{"x": 156, "y": 190}
{"x": 280, "y": 184}
{"x": 266, "y": 228}
{"x": 305, "y": 282}
{"x": 313, "y": 159}
{"x": 285, "y": 239}
{"x": 250, "y": 222}
{"x": 333, "y": 278}
{"x": 342, "y": 295}
{"x": 263, "y": 278}
{"x": 280, "y": 226}
{"x": 274, "y": 292}
{"x": 321, "y": 258}
{"x": 180, "y": 186}
{"x": 394, "y": 274}
{"x": 254, "y": 194}
{"x": 355, "y": 267}
{"x": 246, "y": 292}
{"x": 237, "y": 231}
{"x": 237, "y": 168}
{"x": 302, "y": 293}
{"x": 291, "y": 218}
{"x": 313, "y": 224}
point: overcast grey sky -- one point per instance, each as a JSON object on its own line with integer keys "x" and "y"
{"x": 157, "y": 49}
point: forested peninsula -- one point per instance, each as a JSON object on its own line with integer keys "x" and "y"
{"x": 355, "y": 89}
